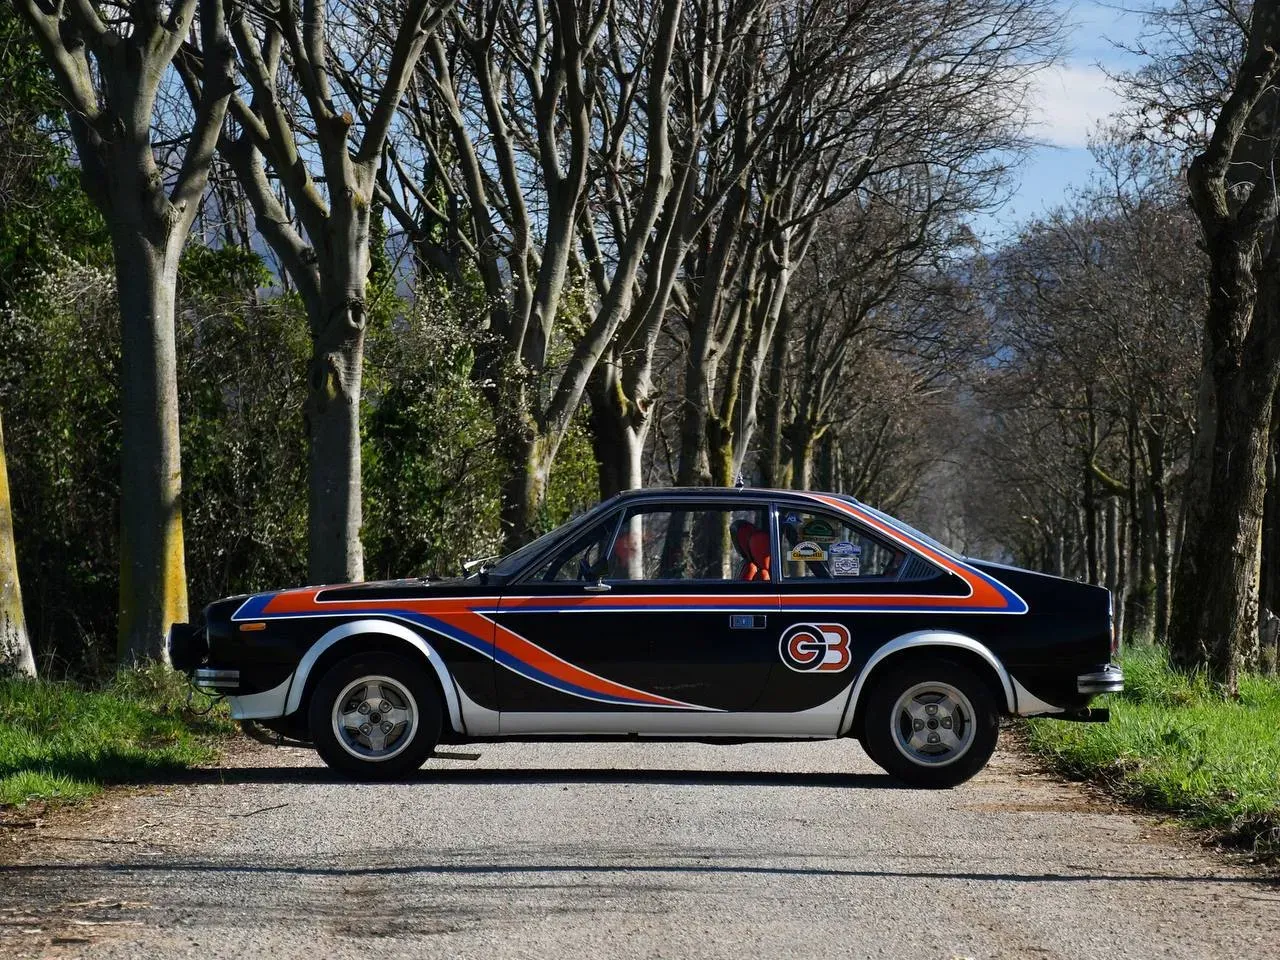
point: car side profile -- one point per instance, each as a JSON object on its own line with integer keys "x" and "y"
{"x": 705, "y": 614}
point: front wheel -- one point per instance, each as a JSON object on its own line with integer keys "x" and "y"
{"x": 375, "y": 716}
{"x": 931, "y": 723}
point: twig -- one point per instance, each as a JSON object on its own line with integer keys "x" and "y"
{"x": 252, "y": 813}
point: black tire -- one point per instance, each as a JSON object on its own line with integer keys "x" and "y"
{"x": 964, "y": 710}
{"x": 402, "y": 683}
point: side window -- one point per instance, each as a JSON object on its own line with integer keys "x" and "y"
{"x": 678, "y": 542}
{"x": 583, "y": 559}
{"x": 823, "y": 546}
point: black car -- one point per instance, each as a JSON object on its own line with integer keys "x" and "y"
{"x": 702, "y": 614}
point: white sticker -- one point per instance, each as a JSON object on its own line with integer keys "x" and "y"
{"x": 846, "y": 559}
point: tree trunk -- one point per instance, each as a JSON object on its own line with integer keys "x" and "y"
{"x": 801, "y": 436}
{"x": 773, "y": 472}
{"x": 15, "y": 645}
{"x": 153, "y": 583}
{"x": 1270, "y": 569}
{"x": 1115, "y": 561}
{"x": 1163, "y": 558}
{"x": 524, "y": 487}
{"x": 1214, "y": 619}
{"x": 335, "y": 554}
{"x": 334, "y": 382}
{"x": 618, "y": 433}
{"x": 1090, "y": 499}
{"x": 694, "y": 469}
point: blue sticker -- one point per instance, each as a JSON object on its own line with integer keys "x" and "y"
{"x": 791, "y": 518}
{"x": 844, "y": 549}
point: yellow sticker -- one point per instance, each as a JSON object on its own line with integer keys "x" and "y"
{"x": 806, "y": 551}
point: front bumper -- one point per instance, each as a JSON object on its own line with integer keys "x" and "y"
{"x": 216, "y": 681}
{"x": 188, "y": 646}
{"x": 1109, "y": 679}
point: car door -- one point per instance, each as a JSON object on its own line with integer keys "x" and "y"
{"x": 642, "y": 624}
{"x": 845, "y": 589}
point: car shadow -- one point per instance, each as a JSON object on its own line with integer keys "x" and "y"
{"x": 510, "y": 777}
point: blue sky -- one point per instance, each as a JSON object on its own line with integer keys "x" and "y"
{"x": 1071, "y": 99}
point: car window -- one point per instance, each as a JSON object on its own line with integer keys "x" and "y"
{"x": 819, "y": 545}
{"x": 512, "y": 562}
{"x": 692, "y": 542}
{"x": 582, "y": 559}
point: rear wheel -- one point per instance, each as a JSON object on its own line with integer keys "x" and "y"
{"x": 931, "y": 723}
{"x": 375, "y": 716}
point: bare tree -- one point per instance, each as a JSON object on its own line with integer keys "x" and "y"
{"x": 529, "y": 112}
{"x": 111, "y": 61}
{"x": 1090, "y": 399}
{"x": 324, "y": 157}
{"x": 1233, "y": 193}
{"x": 875, "y": 279}
{"x": 936, "y": 87}
{"x": 713, "y": 149}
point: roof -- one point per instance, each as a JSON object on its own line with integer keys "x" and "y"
{"x": 714, "y": 492}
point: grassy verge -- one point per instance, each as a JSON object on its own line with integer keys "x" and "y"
{"x": 62, "y": 742}
{"x": 1173, "y": 745}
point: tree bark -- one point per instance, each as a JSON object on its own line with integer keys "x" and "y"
{"x": 153, "y": 584}
{"x": 335, "y": 553}
{"x": 1214, "y": 619}
{"x": 524, "y": 486}
{"x": 15, "y": 644}
{"x": 618, "y": 432}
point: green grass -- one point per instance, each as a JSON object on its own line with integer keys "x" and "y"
{"x": 62, "y": 742}
{"x": 1174, "y": 745}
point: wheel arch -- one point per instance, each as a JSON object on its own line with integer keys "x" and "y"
{"x": 923, "y": 643}
{"x": 359, "y": 636}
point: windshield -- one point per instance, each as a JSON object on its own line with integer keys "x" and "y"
{"x": 909, "y": 530}
{"x": 518, "y": 558}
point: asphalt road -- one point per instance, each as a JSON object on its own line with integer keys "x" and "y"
{"x": 622, "y": 850}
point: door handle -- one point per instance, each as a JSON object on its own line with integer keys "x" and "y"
{"x": 599, "y": 587}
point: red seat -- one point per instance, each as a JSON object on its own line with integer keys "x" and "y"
{"x": 753, "y": 544}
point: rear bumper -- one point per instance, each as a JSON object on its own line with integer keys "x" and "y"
{"x": 1109, "y": 679}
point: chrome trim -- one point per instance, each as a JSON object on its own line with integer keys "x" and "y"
{"x": 216, "y": 679}
{"x": 927, "y": 638}
{"x": 1108, "y": 680}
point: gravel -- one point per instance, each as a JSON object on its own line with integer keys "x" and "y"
{"x": 622, "y": 850}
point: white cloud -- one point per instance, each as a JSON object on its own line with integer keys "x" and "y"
{"x": 1070, "y": 100}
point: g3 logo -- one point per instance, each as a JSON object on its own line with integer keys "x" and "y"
{"x": 815, "y": 647}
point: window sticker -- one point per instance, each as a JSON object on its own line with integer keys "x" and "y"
{"x": 819, "y": 530}
{"x": 792, "y": 518}
{"x": 806, "y": 551}
{"x": 846, "y": 559}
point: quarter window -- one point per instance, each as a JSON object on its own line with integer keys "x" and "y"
{"x": 822, "y": 546}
